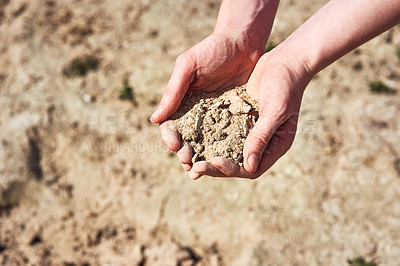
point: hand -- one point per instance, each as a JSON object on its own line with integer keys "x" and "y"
{"x": 218, "y": 61}
{"x": 279, "y": 85}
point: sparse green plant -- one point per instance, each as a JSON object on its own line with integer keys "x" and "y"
{"x": 380, "y": 87}
{"x": 269, "y": 47}
{"x": 81, "y": 66}
{"x": 126, "y": 93}
{"x": 359, "y": 261}
{"x": 398, "y": 53}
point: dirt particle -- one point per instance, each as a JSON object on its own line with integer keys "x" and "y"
{"x": 212, "y": 5}
{"x": 130, "y": 233}
{"x": 154, "y": 33}
{"x": 396, "y": 165}
{"x": 67, "y": 189}
{"x": 190, "y": 259}
{"x": 36, "y": 239}
{"x": 94, "y": 241}
{"x": 379, "y": 124}
{"x": 143, "y": 259}
{"x": 357, "y": 66}
{"x": 80, "y": 30}
{"x": 64, "y": 16}
{"x": 34, "y": 158}
{"x": 109, "y": 232}
{"x": 46, "y": 253}
{"x": 21, "y": 9}
{"x": 3, "y": 5}
{"x": 2, "y": 248}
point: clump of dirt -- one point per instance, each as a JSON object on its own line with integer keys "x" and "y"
{"x": 217, "y": 123}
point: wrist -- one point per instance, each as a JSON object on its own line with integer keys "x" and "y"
{"x": 294, "y": 62}
{"x": 249, "y": 22}
{"x": 244, "y": 46}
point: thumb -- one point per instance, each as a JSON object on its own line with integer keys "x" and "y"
{"x": 177, "y": 86}
{"x": 258, "y": 139}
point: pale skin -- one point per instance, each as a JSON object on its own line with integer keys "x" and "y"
{"x": 233, "y": 55}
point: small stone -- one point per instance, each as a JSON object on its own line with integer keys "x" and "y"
{"x": 217, "y": 104}
{"x": 209, "y": 119}
{"x": 239, "y": 107}
{"x": 189, "y": 134}
{"x": 199, "y": 148}
{"x": 87, "y": 98}
{"x": 206, "y": 128}
{"x": 248, "y": 124}
{"x": 220, "y": 136}
{"x": 195, "y": 158}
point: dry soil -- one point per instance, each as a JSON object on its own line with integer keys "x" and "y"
{"x": 86, "y": 180}
{"x": 216, "y": 123}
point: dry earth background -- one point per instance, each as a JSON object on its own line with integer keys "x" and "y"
{"x": 85, "y": 179}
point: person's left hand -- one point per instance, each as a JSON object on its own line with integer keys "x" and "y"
{"x": 279, "y": 85}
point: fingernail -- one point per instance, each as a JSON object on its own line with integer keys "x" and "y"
{"x": 152, "y": 118}
{"x": 253, "y": 162}
{"x": 154, "y": 115}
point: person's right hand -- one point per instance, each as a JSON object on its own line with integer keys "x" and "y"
{"x": 219, "y": 61}
{"x": 278, "y": 82}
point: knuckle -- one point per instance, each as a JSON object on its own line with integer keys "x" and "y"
{"x": 183, "y": 59}
{"x": 261, "y": 139}
{"x": 228, "y": 171}
{"x": 282, "y": 112}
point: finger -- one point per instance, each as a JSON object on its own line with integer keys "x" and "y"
{"x": 204, "y": 168}
{"x": 278, "y": 145}
{"x": 185, "y": 154}
{"x": 229, "y": 168}
{"x": 187, "y": 167}
{"x": 170, "y": 136}
{"x": 194, "y": 175}
{"x": 258, "y": 139}
{"x": 177, "y": 86}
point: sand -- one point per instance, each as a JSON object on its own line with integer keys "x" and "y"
{"x": 216, "y": 123}
{"x": 85, "y": 179}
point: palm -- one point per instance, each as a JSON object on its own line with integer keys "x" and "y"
{"x": 279, "y": 90}
{"x": 220, "y": 62}
{"x": 217, "y": 61}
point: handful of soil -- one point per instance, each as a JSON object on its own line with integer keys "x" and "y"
{"x": 217, "y": 123}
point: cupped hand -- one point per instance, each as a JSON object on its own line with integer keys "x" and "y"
{"x": 278, "y": 83}
{"x": 219, "y": 61}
